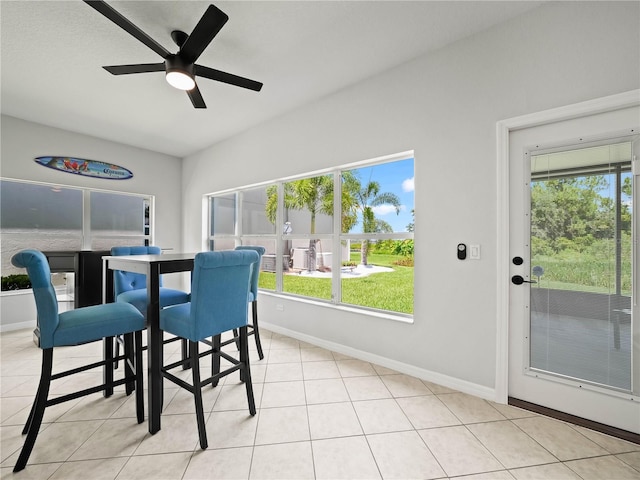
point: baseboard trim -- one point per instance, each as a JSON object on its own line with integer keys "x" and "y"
{"x": 583, "y": 422}
{"x": 10, "y": 327}
{"x": 423, "y": 374}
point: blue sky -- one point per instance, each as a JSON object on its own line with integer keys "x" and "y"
{"x": 394, "y": 177}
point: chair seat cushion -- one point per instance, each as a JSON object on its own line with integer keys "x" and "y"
{"x": 88, "y": 324}
{"x": 138, "y": 298}
{"x": 176, "y": 319}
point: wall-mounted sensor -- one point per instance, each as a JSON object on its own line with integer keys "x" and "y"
{"x": 462, "y": 251}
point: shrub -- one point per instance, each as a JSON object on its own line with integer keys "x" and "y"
{"x": 404, "y": 248}
{"x": 16, "y": 282}
{"x": 404, "y": 262}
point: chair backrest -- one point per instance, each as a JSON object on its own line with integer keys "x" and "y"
{"x": 46, "y": 302}
{"x": 219, "y": 291}
{"x": 125, "y": 281}
{"x": 255, "y": 271}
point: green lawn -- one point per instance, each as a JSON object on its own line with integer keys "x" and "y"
{"x": 385, "y": 291}
{"x": 583, "y": 272}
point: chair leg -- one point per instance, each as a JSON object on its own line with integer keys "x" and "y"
{"x": 184, "y": 347}
{"x": 37, "y": 413}
{"x": 27, "y": 424}
{"x": 256, "y": 331}
{"x": 116, "y": 342}
{"x": 197, "y": 393}
{"x": 107, "y": 344}
{"x": 246, "y": 369}
{"x": 129, "y": 363}
{"x": 215, "y": 358}
{"x": 139, "y": 381}
{"x": 236, "y": 338}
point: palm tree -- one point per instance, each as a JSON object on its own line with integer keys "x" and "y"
{"x": 368, "y": 197}
{"x": 349, "y": 207}
{"x": 314, "y": 194}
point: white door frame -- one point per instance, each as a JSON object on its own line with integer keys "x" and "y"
{"x": 503, "y": 129}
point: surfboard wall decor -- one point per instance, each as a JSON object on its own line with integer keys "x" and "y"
{"x": 88, "y": 168}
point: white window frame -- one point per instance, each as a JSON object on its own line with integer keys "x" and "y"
{"x": 336, "y": 238}
{"x": 87, "y": 236}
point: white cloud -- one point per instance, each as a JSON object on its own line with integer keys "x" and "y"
{"x": 386, "y": 209}
{"x": 408, "y": 185}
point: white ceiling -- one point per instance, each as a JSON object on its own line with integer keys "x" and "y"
{"x": 52, "y": 53}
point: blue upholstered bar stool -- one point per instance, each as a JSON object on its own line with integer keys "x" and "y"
{"x": 129, "y": 287}
{"x": 77, "y": 327}
{"x": 253, "y": 296}
{"x": 219, "y": 291}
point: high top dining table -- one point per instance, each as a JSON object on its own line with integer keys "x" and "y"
{"x": 152, "y": 266}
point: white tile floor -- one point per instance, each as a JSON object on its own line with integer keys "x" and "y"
{"x": 320, "y": 415}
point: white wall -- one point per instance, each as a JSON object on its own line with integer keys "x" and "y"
{"x": 445, "y": 107}
{"x": 153, "y": 173}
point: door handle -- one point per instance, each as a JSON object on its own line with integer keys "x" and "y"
{"x": 519, "y": 280}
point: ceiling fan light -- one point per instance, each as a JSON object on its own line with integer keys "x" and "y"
{"x": 180, "y": 80}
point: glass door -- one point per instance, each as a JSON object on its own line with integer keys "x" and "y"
{"x": 573, "y": 251}
{"x": 581, "y": 262}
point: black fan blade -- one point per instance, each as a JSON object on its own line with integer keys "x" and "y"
{"x": 108, "y": 11}
{"x": 213, "y": 74}
{"x": 206, "y": 29}
{"x": 196, "y": 97}
{"x": 139, "y": 68}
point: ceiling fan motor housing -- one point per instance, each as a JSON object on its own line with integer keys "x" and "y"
{"x": 174, "y": 63}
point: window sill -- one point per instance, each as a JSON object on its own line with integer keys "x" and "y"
{"x": 344, "y": 308}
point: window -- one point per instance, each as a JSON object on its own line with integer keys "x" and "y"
{"x": 118, "y": 219}
{"x": 54, "y": 218}
{"x": 377, "y": 229}
{"x": 48, "y": 216}
{"x": 343, "y": 236}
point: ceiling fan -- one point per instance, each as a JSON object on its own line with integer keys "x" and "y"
{"x": 180, "y": 68}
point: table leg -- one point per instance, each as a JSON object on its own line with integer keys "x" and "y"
{"x": 107, "y": 370}
{"x": 154, "y": 349}
{"x": 107, "y": 343}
